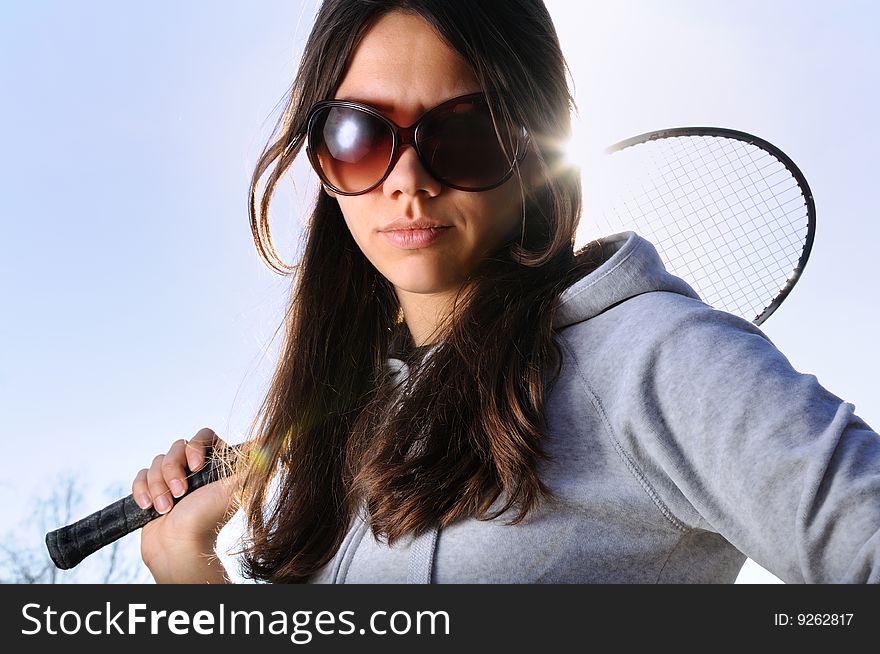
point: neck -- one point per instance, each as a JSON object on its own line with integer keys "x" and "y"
{"x": 424, "y": 313}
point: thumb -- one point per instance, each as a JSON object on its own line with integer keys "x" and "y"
{"x": 199, "y": 515}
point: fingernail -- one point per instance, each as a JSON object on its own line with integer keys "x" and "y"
{"x": 163, "y": 504}
{"x": 144, "y": 501}
{"x": 176, "y": 487}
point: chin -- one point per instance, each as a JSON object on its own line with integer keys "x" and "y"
{"x": 422, "y": 281}
{"x": 421, "y": 287}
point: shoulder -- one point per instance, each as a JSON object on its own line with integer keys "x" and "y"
{"x": 658, "y": 322}
{"x": 670, "y": 359}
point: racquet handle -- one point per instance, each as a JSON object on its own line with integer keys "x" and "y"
{"x": 71, "y": 544}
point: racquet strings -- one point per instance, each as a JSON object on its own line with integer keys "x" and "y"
{"x": 725, "y": 215}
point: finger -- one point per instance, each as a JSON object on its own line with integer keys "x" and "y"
{"x": 159, "y": 490}
{"x": 139, "y": 490}
{"x": 196, "y": 448}
{"x": 173, "y": 468}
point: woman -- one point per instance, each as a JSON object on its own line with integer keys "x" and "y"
{"x": 460, "y": 397}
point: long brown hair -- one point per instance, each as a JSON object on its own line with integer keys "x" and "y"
{"x": 333, "y": 433}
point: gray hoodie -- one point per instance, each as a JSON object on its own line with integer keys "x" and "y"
{"x": 681, "y": 440}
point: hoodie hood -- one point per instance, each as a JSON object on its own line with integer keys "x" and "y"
{"x": 631, "y": 266}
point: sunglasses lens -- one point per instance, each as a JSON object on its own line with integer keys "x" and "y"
{"x": 351, "y": 148}
{"x": 460, "y": 146}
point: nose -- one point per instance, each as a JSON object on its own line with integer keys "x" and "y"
{"x": 409, "y": 177}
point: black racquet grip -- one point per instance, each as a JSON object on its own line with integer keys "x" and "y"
{"x": 71, "y": 544}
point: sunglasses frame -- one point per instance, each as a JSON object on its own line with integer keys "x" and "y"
{"x": 401, "y": 136}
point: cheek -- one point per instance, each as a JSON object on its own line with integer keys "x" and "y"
{"x": 500, "y": 212}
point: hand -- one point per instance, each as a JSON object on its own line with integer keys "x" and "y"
{"x": 178, "y": 547}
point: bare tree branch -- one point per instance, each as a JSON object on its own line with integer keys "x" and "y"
{"x": 25, "y": 560}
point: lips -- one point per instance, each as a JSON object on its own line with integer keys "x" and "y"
{"x": 402, "y": 224}
{"x": 408, "y": 233}
{"x": 411, "y": 239}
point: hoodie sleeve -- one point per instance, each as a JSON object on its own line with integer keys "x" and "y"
{"x": 736, "y": 441}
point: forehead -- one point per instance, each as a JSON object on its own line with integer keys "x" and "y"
{"x": 402, "y": 66}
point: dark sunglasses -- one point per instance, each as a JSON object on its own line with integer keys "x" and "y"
{"x": 353, "y": 146}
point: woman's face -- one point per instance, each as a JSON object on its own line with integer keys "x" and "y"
{"x": 403, "y": 68}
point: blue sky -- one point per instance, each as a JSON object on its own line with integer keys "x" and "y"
{"x": 135, "y": 308}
